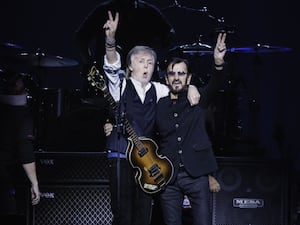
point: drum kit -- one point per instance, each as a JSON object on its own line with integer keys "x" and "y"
{"x": 202, "y": 49}
{"x": 46, "y": 101}
{"x": 13, "y": 54}
{"x": 14, "y": 60}
{"x": 15, "y": 80}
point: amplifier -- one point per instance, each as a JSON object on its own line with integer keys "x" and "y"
{"x": 253, "y": 191}
{"x": 72, "y": 167}
{"x": 73, "y": 204}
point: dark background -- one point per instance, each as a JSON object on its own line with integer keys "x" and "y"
{"x": 257, "y": 113}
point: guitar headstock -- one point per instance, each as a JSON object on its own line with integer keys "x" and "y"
{"x": 96, "y": 79}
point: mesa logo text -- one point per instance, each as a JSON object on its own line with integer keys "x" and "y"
{"x": 248, "y": 203}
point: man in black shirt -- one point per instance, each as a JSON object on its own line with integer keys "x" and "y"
{"x": 16, "y": 147}
{"x": 184, "y": 140}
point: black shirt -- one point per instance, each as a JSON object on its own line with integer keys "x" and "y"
{"x": 182, "y": 129}
{"x": 15, "y": 132}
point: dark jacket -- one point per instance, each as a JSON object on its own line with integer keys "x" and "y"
{"x": 182, "y": 130}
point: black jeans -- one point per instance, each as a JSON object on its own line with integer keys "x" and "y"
{"x": 134, "y": 207}
{"x": 197, "y": 190}
{"x": 7, "y": 197}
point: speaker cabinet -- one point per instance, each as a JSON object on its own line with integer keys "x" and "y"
{"x": 74, "y": 189}
{"x": 72, "y": 167}
{"x": 253, "y": 192}
{"x": 73, "y": 204}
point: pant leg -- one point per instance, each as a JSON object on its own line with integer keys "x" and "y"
{"x": 142, "y": 208}
{"x": 7, "y": 196}
{"x": 171, "y": 204}
{"x": 121, "y": 199}
{"x": 197, "y": 190}
{"x": 134, "y": 207}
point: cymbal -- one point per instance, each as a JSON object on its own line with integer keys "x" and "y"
{"x": 196, "y": 48}
{"x": 9, "y": 49}
{"x": 8, "y": 46}
{"x": 259, "y": 48}
{"x": 40, "y": 59}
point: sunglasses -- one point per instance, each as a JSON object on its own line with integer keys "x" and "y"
{"x": 179, "y": 73}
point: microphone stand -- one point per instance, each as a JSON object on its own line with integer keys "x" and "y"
{"x": 120, "y": 131}
{"x": 178, "y": 5}
{"x": 221, "y": 26}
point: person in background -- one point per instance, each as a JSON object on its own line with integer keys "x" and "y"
{"x": 183, "y": 138}
{"x": 138, "y": 98}
{"x": 16, "y": 147}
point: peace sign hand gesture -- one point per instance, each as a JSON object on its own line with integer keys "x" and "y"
{"x": 111, "y": 25}
{"x": 220, "y": 49}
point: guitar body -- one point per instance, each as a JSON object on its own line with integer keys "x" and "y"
{"x": 153, "y": 171}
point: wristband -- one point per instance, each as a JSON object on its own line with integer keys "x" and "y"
{"x": 221, "y": 65}
{"x": 110, "y": 41}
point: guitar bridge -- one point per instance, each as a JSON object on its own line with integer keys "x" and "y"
{"x": 160, "y": 180}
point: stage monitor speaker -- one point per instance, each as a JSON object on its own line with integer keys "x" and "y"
{"x": 72, "y": 167}
{"x": 253, "y": 192}
{"x": 73, "y": 204}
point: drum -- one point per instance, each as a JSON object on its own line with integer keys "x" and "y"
{"x": 47, "y": 105}
{"x": 80, "y": 129}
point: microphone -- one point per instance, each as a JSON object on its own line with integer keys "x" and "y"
{"x": 121, "y": 74}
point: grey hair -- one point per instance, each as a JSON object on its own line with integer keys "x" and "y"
{"x": 136, "y": 50}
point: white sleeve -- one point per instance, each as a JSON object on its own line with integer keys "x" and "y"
{"x": 162, "y": 90}
{"x": 112, "y": 73}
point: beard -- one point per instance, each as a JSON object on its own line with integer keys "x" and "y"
{"x": 177, "y": 90}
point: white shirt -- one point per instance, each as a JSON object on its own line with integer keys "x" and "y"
{"x": 112, "y": 72}
{"x": 15, "y": 100}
